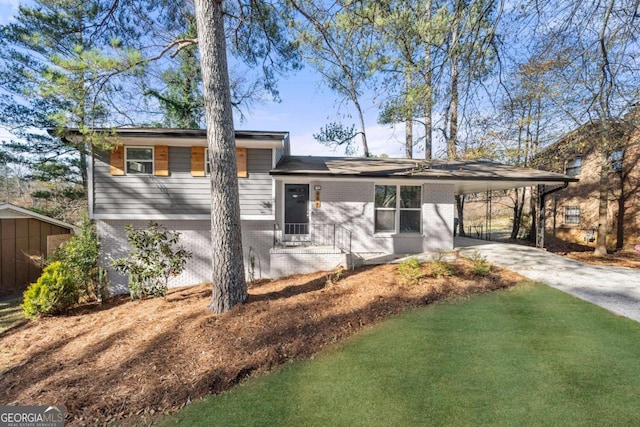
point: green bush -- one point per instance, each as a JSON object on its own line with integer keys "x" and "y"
{"x": 79, "y": 256}
{"x": 410, "y": 271}
{"x": 156, "y": 256}
{"x": 479, "y": 264}
{"x": 54, "y": 292}
{"x": 440, "y": 267}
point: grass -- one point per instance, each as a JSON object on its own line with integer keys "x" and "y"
{"x": 530, "y": 355}
{"x": 10, "y": 313}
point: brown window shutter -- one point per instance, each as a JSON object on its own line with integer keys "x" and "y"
{"x": 241, "y": 154}
{"x": 116, "y": 161}
{"x": 197, "y": 161}
{"x": 161, "y": 160}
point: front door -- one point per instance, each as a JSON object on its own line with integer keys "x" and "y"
{"x": 296, "y": 209}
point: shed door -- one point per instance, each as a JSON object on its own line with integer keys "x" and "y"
{"x": 296, "y": 208}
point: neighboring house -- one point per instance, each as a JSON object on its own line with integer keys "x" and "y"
{"x": 299, "y": 213}
{"x": 572, "y": 213}
{"x": 26, "y": 239}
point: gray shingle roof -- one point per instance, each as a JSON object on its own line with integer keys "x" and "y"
{"x": 488, "y": 175}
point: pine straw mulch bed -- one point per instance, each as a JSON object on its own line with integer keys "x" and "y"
{"x": 125, "y": 361}
{"x": 623, "y": 258}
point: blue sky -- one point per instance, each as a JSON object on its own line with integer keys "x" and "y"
{"x": 306, "y": 106}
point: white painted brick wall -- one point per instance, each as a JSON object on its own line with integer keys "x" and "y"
{"x": 289, "y": 263}
{"x": 195, "y": 237}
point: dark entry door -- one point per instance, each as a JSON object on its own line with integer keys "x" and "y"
{"x": 296, "y": 211}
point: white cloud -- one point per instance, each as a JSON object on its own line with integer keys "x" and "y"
{"x": 5, "y": 135}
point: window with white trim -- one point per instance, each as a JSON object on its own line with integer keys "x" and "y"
{"x": 398, "y": 209}
{"x": 574, "y": 166}
{"x": 616, "y": 160}
{"x": 139, "y": 160}
{"x": 572, "y": 215}
{"x": 207, "y": 163}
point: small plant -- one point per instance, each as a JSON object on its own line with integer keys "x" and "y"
{"x": 54, "y": 292}
{"x": 156, "y": 256}
{"x": 79, "y": 256}
{"x": 479, "y": 264}
{"x": 251, "y": 268}
{"x": 440, "y": 267}
{"x": 410, "y": 271}
{"x": 333, "y": 277}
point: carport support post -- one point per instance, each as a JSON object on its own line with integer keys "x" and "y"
{"x": 541, "y": 217}
{"x": 542, "y": 195}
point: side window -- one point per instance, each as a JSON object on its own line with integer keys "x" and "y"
{"x": 616, "y": 160}
{"x": 395, "y": 214}
{"x": 139, "y": 160}
{"x": 572, "y": 215}
{"x": 410, "y": 209}
{"x": 385, "y": 209}
{"x": 574, "y": 166}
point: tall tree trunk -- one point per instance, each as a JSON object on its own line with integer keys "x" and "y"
{"x": 408, "y": 123}
{"x": 428, "y": 77}
{"x": 606, "y": 89}
{"x": 229, "y": 286}
{"x": 603, "y": 204}
{"x": 460, "y": 209}
{"x": 453, "y": 54}
{"x": 620, "y": 216}
{"x": 363, "y": 134}
{"x": 408, "y": 150}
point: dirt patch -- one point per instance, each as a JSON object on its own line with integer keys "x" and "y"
{"x": 624, "y": 258}
{"x": 125, "y": 360}
{"x": 629, "y": 259}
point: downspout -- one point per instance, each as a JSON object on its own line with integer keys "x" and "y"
{"x": 542, "y": 196}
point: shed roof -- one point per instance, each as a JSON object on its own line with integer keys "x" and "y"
{"x": 468, "y": 177}
{"x": 9, "y": 211}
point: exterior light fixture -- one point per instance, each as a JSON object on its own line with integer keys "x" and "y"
{"x": 317, "y": 187}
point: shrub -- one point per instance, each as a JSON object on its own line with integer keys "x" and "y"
{"x": 479, "y": 264}
{"x": 54, "y": 292}
{"x": 79, "y": 256}
{"x": 410, "y": 271}
{"x": 440, "y": 267}
{"x": 156, "y": 256}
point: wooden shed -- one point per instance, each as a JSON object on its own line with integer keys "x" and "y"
{"x": 26, "y": 237}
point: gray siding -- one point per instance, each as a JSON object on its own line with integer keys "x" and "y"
{"x": 180, "y": 193}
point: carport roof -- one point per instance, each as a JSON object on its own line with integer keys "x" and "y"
{"x": 468, "y": 177}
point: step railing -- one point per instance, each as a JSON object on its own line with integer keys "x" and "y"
{"x": 336, "y": 236}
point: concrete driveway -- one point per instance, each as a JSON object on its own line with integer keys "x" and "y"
{"x": 615, "y": 288}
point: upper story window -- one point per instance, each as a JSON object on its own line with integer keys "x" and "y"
{"x": 398, "y": 208}
{"x": 574, "y": 167}
{"x": 616, "y": 160}
{"x": 572, "y": 215}
{"x": 207, "y": 163}
{"x": 139, "y": 160}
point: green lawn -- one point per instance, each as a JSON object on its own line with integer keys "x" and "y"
{"x": 530, "y": 355}
{"x": 10, "y": 313}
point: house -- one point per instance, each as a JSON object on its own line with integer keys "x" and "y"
{"x": 298, "y": 213}
{"x": 573, "y": 212}
{"x": 26, "y": 239}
